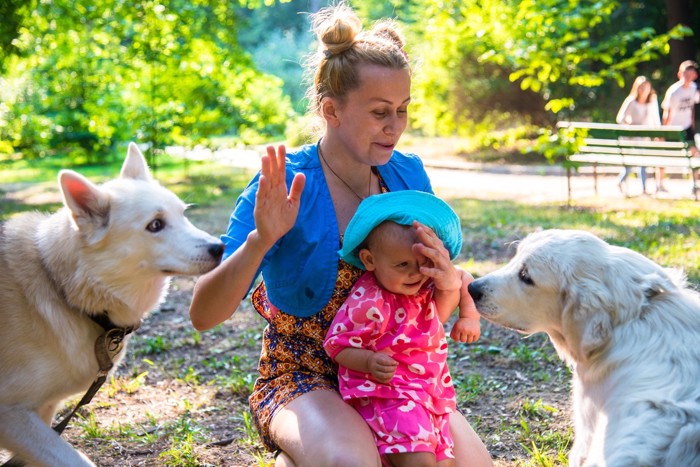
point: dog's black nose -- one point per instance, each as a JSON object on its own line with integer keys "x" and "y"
{"x": 475, "y": 291}
{"x": 216, "y": 250}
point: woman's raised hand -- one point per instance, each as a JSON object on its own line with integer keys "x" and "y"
{"x": 276, "y": 209}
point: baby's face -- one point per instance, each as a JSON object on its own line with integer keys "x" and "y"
{"x": 395, "y": 265}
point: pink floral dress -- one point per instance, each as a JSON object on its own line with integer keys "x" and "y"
{"x": 411, "y": 412}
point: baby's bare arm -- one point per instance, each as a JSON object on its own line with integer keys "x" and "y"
{"x": 381, "y": 366}
{"x": 468, "y": 327}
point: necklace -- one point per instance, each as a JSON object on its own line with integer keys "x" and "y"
{"x": 369, "y": 181}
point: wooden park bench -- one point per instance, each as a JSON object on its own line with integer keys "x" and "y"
{"x": 627, "y": 146}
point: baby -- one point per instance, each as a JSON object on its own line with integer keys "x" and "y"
{"x": 388, "y": 337}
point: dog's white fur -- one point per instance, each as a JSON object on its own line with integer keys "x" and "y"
{"x": 630, "y": 331}
{"x": 112, "y": 248}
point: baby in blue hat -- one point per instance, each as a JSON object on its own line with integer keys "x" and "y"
{"x": 388, "y": 337}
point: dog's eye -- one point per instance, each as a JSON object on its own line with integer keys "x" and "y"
{"x": 525, "y": 276}
{"x": 156, "y": 225}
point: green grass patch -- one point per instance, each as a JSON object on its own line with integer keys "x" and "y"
{"x": 666, "y": 231}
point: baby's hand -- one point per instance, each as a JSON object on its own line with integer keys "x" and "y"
{"x": 437, "y": 264}
{"x": 466, "y": 330}
{"x": 381, "y": 366}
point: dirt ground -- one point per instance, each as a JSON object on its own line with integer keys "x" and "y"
{"x": 180, "y": 397}
{"x": 201, "y": 386}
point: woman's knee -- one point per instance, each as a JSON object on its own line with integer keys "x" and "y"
{"x": 469, "y": 448}
{"x": 351, "y": 456}
{"x": 319, "y": 428}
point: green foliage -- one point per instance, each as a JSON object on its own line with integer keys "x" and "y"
{"x": 470, "y": 387}
{"x": 576, "y": 44}
{"x": 668, "y": 233}
{"x": 556, "y": 145}
{"x": 511, "y": 62}
{"x": 279, "y": 38}
{"x": 159, "y": 71}
{"x": 79, "y": 77}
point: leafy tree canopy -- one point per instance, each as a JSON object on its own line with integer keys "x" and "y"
{"x": 87, "y": 74}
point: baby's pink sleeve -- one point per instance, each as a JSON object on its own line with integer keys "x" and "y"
{"x": 357, "y": 323}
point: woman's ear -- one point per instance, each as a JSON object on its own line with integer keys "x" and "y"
{"x": 367, "y": 259}
{"x": 329, "y": 112}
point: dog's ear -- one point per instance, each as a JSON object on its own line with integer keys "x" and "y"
{"x": 639, "y": 282}
{"x": 587, "y": 318}
{"x": 654, "y": 284}
{"x": 88, "y": 205}
{"x": 135, "y": 164}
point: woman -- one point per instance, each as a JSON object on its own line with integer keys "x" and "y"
{"x": 289, "y": 223}
{"x": 640, "y": 107}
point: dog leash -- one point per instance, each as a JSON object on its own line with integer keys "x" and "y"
{"x": 107, "y": 346}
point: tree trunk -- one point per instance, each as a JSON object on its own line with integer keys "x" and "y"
{"x": 678, "y": 12}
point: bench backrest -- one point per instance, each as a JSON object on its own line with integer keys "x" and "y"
{"x": 615, "y": 131}
{"x": 628, "y": 145}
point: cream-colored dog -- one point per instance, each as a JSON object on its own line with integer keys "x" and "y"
{"x": 630, "y": 331}
{"x": 101, "y": 262}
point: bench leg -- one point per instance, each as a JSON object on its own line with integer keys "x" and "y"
{"x": 568, "y": 186}
{"x": 595, "y": 179}
{"x": 693, "y": 174}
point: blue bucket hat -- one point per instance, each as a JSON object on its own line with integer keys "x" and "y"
{"x": 402, "y": 207}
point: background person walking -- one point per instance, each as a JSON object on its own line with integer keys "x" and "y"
{"x": 640, "y": 107}
{"x": 679, "y": 107}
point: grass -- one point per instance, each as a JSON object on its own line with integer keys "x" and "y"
{"x": 667, "y": 231}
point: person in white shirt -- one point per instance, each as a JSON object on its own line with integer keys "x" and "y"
{"x": 640, "y": 107}
{"x": 679, "y": 107}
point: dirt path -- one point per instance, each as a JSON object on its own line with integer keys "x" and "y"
{"x": 453, "y": 176}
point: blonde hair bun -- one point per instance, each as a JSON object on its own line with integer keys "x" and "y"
{"x": 336, "y": 27}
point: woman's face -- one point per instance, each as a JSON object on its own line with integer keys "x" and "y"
{"x": 372, "y": 117}
{"x": 643, "y": 91}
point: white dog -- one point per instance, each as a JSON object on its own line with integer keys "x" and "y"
{"x": 631, "y": 333}
{"x": 97, "y": 265}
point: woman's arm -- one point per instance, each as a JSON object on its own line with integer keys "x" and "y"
{"x": 218, "y": 293}
{"x": 622, "y": 116}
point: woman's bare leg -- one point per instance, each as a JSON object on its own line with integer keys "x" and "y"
{"x": 319, "y": 428}
{"x": 469, "y": 450}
